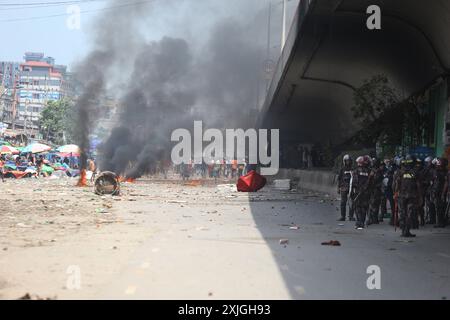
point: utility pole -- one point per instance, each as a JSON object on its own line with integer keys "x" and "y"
{"x": 14, "y": 106}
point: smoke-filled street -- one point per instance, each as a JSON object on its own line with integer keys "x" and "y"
{"x": 215, "y": 151}
{"x": 197, "y": 240}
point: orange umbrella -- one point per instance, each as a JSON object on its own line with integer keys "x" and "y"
{"x": 9, "y": 150}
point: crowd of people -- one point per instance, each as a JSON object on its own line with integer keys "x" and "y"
{"x": 417, "y": 191}
{"x": 34, "y": 165}
{"x": 214, "y": 169}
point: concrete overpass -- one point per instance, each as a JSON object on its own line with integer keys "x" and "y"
{"x": 330, "y": 51}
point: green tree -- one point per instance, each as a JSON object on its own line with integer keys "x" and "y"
{"x": 56, "y": 122}
{"x": 375, "y": 104}
{"x": 374, "y": 98}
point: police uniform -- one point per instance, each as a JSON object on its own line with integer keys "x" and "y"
{"x": 361, "y": 180}
{"x": 437, "y": 194}
{"x": 387, "y": 193}
{"x": 344, "y": 178}
{"x": 375, "y": 195}
{"x": 419, "y": 216}
{"x": 408, "y": 187}
{"x": 429, "y": 209}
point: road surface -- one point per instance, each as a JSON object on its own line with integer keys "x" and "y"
{"x": 165, "y": 240}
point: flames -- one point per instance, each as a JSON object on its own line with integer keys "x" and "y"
{"x": 194, "y": 183}
{"x": 125, "y": 179}
{"x": 82, "y": 182}
{"x": 83, "y": 179}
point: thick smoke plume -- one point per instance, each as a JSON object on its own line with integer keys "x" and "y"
{"x": 169, "y": 63}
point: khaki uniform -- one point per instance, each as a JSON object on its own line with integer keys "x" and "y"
{"x": 408, "y": 186}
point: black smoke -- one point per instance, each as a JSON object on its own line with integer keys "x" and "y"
{"x": 158, "y": 100}
{"x": 209, "y": 67}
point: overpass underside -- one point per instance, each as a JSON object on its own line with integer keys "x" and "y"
{"x": 333, "y": 52}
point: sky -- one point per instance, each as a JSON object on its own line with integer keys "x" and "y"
{"x": 27, "y": 27}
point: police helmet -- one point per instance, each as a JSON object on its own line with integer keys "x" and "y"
{"x": 360, "y": 161}
{"x": 347, "y": 159}
{"x": 409, "y": 161}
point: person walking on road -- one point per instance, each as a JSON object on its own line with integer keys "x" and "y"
{"x": 360, "y": 187}
{"x": 408, "y": 187}
{"x": 345, "y": 175}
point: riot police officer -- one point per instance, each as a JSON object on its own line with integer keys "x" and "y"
{"x": 427, "y": 179}
{"x": 387, "y": 193}
{"x": 419, "y": 214}
{"x": 438, "y": 195}
{"x": 360, "y": 190}
{"x": 345, "y": 175}
{"x": 408, "y": 187}
{"x": 375, "y": 192}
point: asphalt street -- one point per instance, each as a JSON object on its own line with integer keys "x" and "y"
{"x": 169, "y": 240}
{"x": 218, "y": 244}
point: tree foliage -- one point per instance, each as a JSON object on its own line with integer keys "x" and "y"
{"x": 57, "y": 121}
{"x": 374, "y": 98}
{"x": 376, "y": 105}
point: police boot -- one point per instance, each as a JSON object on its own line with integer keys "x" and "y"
{"x": 375, "y": 219}
{"x": 407, "y": 234}
{"x": 342, "y": 218}
{"x": 422, "y": 220}
{"x": 439, "y": 222}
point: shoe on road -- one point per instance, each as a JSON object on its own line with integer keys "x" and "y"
{"x": 408, "y": 235}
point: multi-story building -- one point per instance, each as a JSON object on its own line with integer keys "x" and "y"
{"x": 9, "y": 75}
{"x": 39, "y": 83}
{"x": 9, "y": 72}
{"x": 28, "y": 87}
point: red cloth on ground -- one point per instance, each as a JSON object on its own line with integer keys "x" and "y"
{"x": 252, "y": 182}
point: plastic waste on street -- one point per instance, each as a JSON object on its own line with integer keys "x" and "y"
{"x": 252, "y": 182}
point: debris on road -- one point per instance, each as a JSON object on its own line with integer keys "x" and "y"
{"x": 107, "y": 183}
{"x": 333, "y": 243}
{"x": 282, "y": 184}
{"x": 176, "y": 201}
{"x": 227, "y": 188}
{"x": 22, "y": 225}
{"x": 252, "y": 182}
{"x": 28, "y": 296}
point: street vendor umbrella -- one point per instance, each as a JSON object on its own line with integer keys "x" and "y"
{"x": 9, "y": 150}
{"x": 6, "y": 143}
{"x": 36, "y": 148}
{"x": 252, "y": 182}
{"x": 68, "y": 155}
{"x": 68, "y": 149}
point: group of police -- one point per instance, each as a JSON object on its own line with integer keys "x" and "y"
{"x": 417, "y": 191}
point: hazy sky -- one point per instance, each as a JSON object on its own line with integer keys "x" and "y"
{"x": 30, "y": 29}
